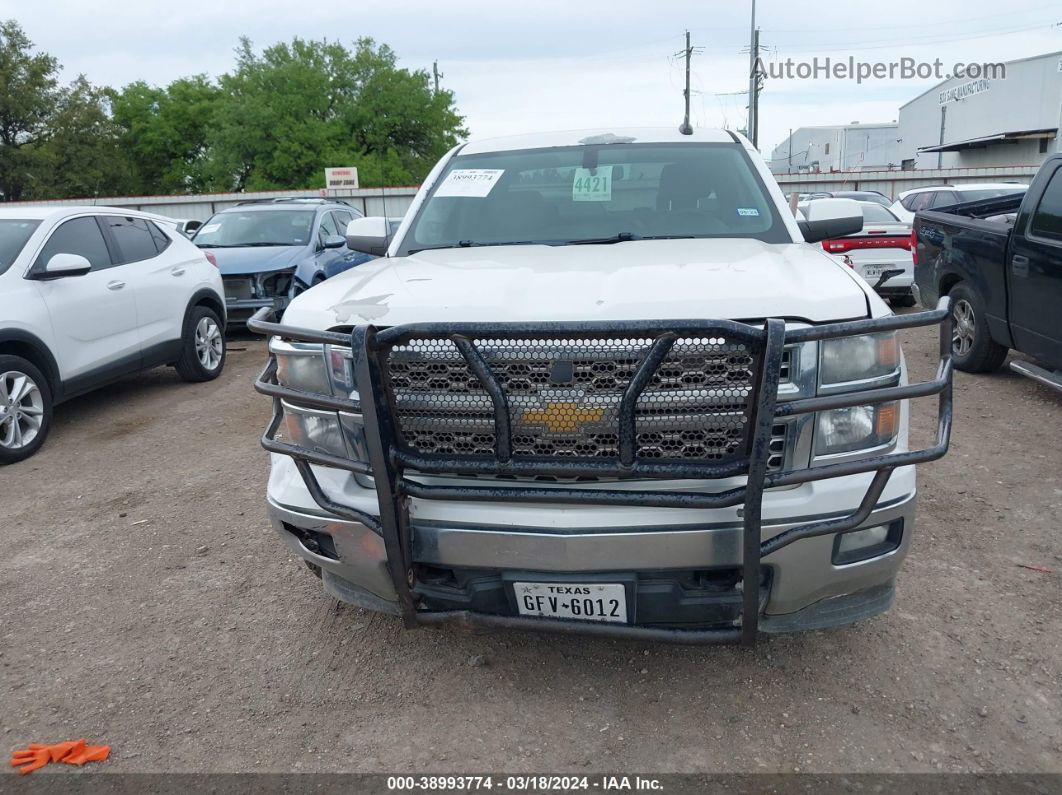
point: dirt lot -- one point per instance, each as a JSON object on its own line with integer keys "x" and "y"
{"x": 149, "y": 606}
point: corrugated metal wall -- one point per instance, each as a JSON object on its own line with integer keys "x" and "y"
{"x": 894, "y": 182}
{"x": 370, "y": 201}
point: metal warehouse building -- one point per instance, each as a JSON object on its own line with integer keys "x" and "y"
{"x": 986, "y": 122}
{"x": 844, "y": 147}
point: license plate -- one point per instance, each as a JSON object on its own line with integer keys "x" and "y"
{"x": 581, "y": 602}
{"x": 872, "y": 273}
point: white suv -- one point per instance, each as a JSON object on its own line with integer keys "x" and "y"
{"x": 91, "y": 294}
{"x": 911, "y": 201}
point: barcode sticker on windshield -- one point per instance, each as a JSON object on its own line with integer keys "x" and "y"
{"x": 209, "y": 228}
{"x": 592, "y": 184}
{"x": 469, "y": 182}
{"x": 748, "y": 211}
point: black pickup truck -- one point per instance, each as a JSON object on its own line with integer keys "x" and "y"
{"x": 1000, "y": 260}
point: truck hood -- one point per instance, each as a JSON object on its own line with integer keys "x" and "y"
{"x": 255, "y": 259}
{"x": 636, "y": 280}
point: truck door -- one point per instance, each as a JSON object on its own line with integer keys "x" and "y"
{"x": 1035, "y": 272}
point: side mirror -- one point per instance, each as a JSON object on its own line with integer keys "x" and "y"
{"x": 61, "y": 265}
{"x": 191, "y": 226}
{"x": 830, "y": 218}
{"x": 335, "y": 241}
{"x": 369, "y": 235}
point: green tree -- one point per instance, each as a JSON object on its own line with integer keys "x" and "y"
{"x": 166, "y": 132}
{"x": 287, "y": 113}
{"x": 28, "y": 95}
{"x": 83, "y": 154}
{"x": 275, "y": 122}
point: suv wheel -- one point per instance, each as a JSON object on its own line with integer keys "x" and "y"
{"x": 972, "y": 346}
{"x": 25, "y": 409}
{"x": 202, "y": 346}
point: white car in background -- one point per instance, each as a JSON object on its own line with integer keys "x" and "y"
{"x": 911, "y": 201}
{"x": 89, "y": 295}
{"x": 880, "y": 253}
{"x": 186, "y": 226}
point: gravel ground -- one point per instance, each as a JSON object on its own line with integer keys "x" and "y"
{"x": 151, "y": 607}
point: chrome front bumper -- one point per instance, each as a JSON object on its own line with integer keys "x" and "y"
{"x": 802, "y": 574}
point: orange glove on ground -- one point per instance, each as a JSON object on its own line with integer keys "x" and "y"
{"x": 75, "y": 752}
{"x": 88, "y": 753}
{"x": 33, "y": 757}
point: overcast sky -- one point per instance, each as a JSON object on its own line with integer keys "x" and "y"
{"x": 566, "y": 64}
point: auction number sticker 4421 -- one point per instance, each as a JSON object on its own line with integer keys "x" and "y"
{"x": 583, "y": 602}
{"x": 592, "y": 184}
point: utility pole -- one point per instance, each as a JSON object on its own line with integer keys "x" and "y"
{"x": 435, "y": 71}
{"x": 940, "y": 152}
{"x": 686, "y": 129}
{"x": 754, "y": 87}
{"x": 750, "y": 128}
{"x": 790, "y": 169}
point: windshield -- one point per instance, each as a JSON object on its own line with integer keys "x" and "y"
{"x": 989, "y": 193}
{"x": 600, "y": 194}
{"x": 875, "y": 214}
{"x": 13, "y": 236}
{"x": 256, "y": 228}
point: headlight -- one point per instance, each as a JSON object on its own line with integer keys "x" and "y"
{"x": 303, "y": 370}
{"x": 316, "y": 430}
{"x": 859, "y": 358}
{"x": 856, "y": 428}
{"x": 276, "y": 284}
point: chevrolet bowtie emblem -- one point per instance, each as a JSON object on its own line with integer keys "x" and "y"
{"x": 563, "y": 416}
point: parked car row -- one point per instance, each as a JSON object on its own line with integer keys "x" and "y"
{"x": 858, "y": 195}
{"x": 91, "y": 294}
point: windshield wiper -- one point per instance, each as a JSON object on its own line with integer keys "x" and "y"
{"x": 619, "y": 237}
{"x": 474, "y": 244}
{"x": 622, "y": 237}
{"x": 260, "y": 243}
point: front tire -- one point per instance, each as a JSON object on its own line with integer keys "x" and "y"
{"x": 25, "y": 409}
{"x": 904, "y": 301}
{"x": 972, "y": 348}
{"x": 202, "y": 346}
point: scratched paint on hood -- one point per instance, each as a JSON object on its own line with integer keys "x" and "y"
{"x": 369, "y": 308}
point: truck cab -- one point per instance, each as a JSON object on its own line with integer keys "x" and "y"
{"x": 599, "y": 382}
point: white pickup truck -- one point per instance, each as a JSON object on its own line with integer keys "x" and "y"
{"x": 599, "y": 382}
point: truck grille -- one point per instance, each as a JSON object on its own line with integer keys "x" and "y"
{"x": 564, "y": 397}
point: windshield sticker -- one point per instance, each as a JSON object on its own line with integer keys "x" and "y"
{"x": 469, "y": 182}
{"x": 592, "y": 184}
{"x": 209, "y": 228}
{"x": 748, "y": 211}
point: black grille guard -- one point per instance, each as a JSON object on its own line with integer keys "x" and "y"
{"x": 389, "y": 458}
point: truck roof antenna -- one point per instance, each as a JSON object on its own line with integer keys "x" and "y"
{"x": 387, "y": 223}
